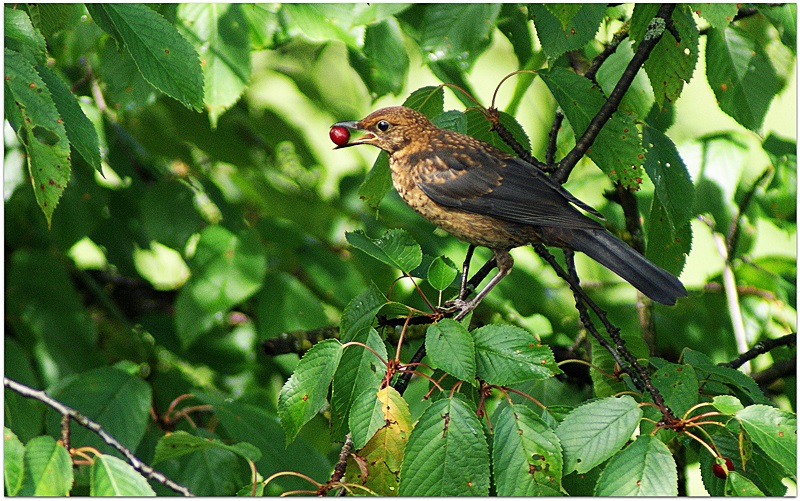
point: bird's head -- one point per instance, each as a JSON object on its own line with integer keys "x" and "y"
{"x": 390, "y": 129}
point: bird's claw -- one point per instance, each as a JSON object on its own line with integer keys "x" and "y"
{"x": 453, "y": 306}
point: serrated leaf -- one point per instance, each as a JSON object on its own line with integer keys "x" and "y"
{"x": 678, "y": 386}
{"x": 164, "y": 58}
{"x": 526, "y": 454}
{"x": 20, "y": 35}
{"x": 506, "y": 354}
{"x": 450, "y": 347}
{"x": 741, "y": 76}
{"x": 373, "y": 410}
{"x": 304, "y": 394}
{"x": 220, "y": 35}
{"x": 396, "y": 248}
{"x": 739, "y": 485}
{"x": 666, "y": 169}
{"x": 774, "y": 431}
{"x": 51, "y": 18}
{"x": 40, "y": 130}
{"x": 666, "y": 247}
{"x": 360, "y": 312}
{"x": 226, "y": 269}
{"x": 784, "y": 18}
{"x": 727, "y": 404}
{"x": 427, "y": 100}
{"x": 447, "y": 453}
{"x": 13, "y": 461}
{"x": 384, "y": 452}
{"x": 112, "y": 476}
{"x": 644, "y": 468}
{"x": 742, "y": 385}
{"x": 718, "y": 15}
{"x": 453, "y": 120}
{"x": 48, "y": 468}
{"x": 671, "y": 63}
{"x": 180, "y": 443}
{"x": 359, "y": 371}
{"x": 558, "y": 36}
{"x": 564, "y": 12}
{"x": 441, "y": 273}
{"x": 595, "y": 431}
{"x": 387, "y": 58}
{"x": 617, "y": 150}
{"x": 80, "y": 130}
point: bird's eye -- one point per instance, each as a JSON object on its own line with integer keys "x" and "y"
{"x": 383, "y": 125}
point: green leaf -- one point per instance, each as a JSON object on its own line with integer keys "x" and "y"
{"x": 718, "y": 15}
{"x": 666, "y": 247}
{"x": 644, "y": 468}
{"x": 480, "y": 128}
{"x": 568, "y": 31}
{"x": 595, "y": 431}
{"x": 396, "y": 248}
{"x": 359, "y": 371}
{"x": 455, "y": 33}
{"x": 427, "y": 100}
{"x": 384, "y": 451}
{"x": 226, "y": 269}
{"x": 377, "y": 182}
{"x": 742, "y": 385}
{"x": 450, "y": 347}
{"x": 112, "y": 476}
{"x": 373, "y": 410}
{"x": 741, "y": 75}
{"x": 739, "y": 485}
{"x": 80, "y": 130}
{"x": 671, "y": 63}
{"x": 513, "y": 23}
{"x": 40, "y": 130}
{"x": 180, "y": 443}
{"x": 387, "y": 57}
{"x": 564, "y": 12}
{"x": 220, "y": 35}
{"x": 118, "y": 401}
{"x": 773, "y": 430}
{"x": 286, "y": 304}
{"x": 304, "y": 394}
{"x": 526, "y": 454}
{"x": 453, "y": 120}
{"x": 727, "y": 404}
{"x": 678, "y": 385}
{"x": 666, "y": 169}
{"x": 164, "y": 58}
{"x": 13, "y": 462}
{"x": 784, "y": 18}
{"x": 48, "y": 469}
{"x": 618, "y": 148}
{"x": 51, "y": 18}
{"x": 20, "y": 35}
{"x": 447, "y": 453}
{"x": 441, "y": 273}
{"x": 507, "y": 354}
{"x": 360, "y": 312}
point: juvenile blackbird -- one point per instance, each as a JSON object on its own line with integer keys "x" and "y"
{"x": 486, "y": 197}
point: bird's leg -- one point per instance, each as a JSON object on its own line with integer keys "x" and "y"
{"x": 478, "y": 277}
{"x": 465, "y": 272}
{"x": 504, "y": 264}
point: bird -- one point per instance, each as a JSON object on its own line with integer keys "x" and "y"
{"x": 490, "y": 198}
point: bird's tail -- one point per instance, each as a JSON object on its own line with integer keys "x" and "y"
{"x": 653, "y": 281}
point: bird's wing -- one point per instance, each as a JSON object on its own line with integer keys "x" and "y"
{"x": 506, "y": 188}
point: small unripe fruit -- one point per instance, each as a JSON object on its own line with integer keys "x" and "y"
{"x": 340, "y": 135}
{"x": 722, "y": 471}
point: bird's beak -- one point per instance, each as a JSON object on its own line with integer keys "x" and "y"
{"x": 367, "y": 138}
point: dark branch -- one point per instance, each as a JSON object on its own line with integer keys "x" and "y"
{"x": 582, "y": 145}
{"x": 735, "y": 230}
{"x": 552, "y": 141}
{"x": 762, "y": 347}
{"x": 82, "y": 420}
{"x": 610, "y": 49}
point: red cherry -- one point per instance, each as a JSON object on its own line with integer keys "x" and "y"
{"x": 340, "y": 135}
{"x": 722, "y": 471}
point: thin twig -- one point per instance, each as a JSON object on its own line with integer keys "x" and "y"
{"x": 341, "y": 465}
{"x": 733, "y": 234}
{"x": 82, "y": 420}
{"x": 610, "y": 49}
{"x": 552, "y": 140}
{"x": 762, "y": 347}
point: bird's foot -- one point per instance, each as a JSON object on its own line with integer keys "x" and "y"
{"x": 457, "y": 305}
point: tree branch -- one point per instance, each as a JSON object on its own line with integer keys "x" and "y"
{"x": 654, "y": 33}
{"x": 762, "y": 347}
{"x": 82, "y": 420}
